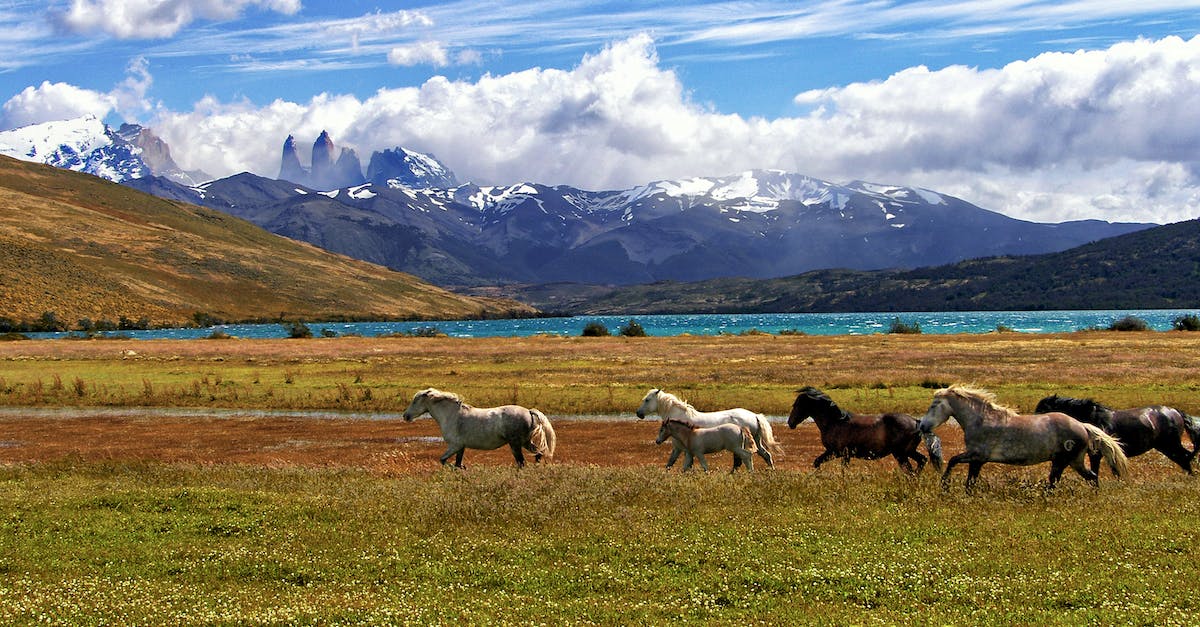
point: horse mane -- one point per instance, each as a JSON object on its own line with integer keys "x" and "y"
{"x": 1081, "y": 402}
{"x": 818, "y": 396}
{"x": 436, "y": 396}
{"x": 983, "y": 400}
{"x": 687, "y": 423}
{"x": 1098, "y": 413}
{"x": 671, "y": 399}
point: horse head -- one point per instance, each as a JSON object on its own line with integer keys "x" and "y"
{"x": 419, "y": 405}
{"x": 939, "y": 412}
{"x": 813, "y": 402}
{"x": 649, "y": 403}
{"x": 424, "y": 401}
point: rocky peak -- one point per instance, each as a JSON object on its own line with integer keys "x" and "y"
{"x": 290, "y": 168}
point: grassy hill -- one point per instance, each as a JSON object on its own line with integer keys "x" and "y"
{"x": 81, "y": 247}
{"x": 1158, "y": 268}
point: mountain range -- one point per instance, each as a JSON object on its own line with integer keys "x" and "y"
{"x": 408, "y": 212}
{"x": 1155, "y": 268}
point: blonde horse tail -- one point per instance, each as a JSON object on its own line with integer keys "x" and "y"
{"x": 748, "y": 440}
{"x": 1110, "y": 448}
{"x": 767, "y": 436}
{"x": 542, "y": 436}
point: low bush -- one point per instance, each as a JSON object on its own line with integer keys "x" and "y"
{"x": 1129, "y": 323}
{"x": 904, "y": 328}
{"x": 633, "y": 329}
{"x": 1190, "y": 322}
{"x": 595, "y": 329}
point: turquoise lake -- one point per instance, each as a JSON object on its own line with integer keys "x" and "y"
{"x": 711, "y": 324}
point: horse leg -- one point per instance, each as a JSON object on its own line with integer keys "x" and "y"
{"x": 688, "y": 458}
{"x": 954, "y": 461}
{"x": 749, "y": 461}
{"x": 919, "y": 458}
{"x": 821, "y": 459}
{"x": 1088, "y": 474}
{"x": 675, "y": 451}
{"x": 973, "y": 468}
{"x": 455, "y": 451}
{"x": 703, "y": 462}
{"x": 902, "y": 460}
{"x": 517, "y": 455}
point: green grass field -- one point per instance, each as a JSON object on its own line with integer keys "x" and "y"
{"x": 131, "y": 542}
{"x": 152, "y": 545}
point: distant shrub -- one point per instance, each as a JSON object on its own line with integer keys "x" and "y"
{"x": 1129, "y": 323}
{"x": 753, "y": 331}
{"x": 791, "y": 332}
{"x": 901, "y": 327}
{"x": 595, "y": 329}
{"x": 427, "y": 332}
{"x": 1004, "y": 328}
{"x": 219, "y": 335}
{"x": 933, "y": 384}
{"x": 328, "y": 333}
{"x": 1190, "y": 322}
{"x": 12, "y": 336}
{"x": 205, "y": 319}
{"x": 632, "y": 329}
{"x": 297, "y": 330}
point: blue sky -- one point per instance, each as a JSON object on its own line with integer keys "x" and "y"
{"x": 1042, "y": 110}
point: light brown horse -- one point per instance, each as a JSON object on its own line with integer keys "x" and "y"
{"x": 696, "y": 442}
{"x": 994, "y": 433}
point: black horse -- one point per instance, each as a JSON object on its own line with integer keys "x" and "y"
{"x": 1138, "y": 430}
{"x": 865, "y": 436}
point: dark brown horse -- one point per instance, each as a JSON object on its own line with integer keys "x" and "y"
{"x": 868, "y": 436}
{"x": 1139, "y": 429}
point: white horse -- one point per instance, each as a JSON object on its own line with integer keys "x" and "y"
{"x": 669, "y": 406}
{"x": 699, "y": 441}
{"x": 466, "y": 427}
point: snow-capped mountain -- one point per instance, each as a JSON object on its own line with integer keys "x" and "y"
{"x": 89, "y": 145}
{"x": 397, "y": 167}
{"x": 759, "y": 223}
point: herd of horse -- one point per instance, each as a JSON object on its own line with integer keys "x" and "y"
{"x": 1067, "y": 432}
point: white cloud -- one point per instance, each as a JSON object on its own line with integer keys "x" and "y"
{"x": 423, "y": 52}
{"x": 149, "y": 19}
{"x": 53, "y": 101}
{"x": 61, "y": 101}
{"x": 1109, "y": 133}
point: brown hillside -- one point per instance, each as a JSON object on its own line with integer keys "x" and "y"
{"x": 82, "y": 247}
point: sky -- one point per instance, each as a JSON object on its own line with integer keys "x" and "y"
{"x": 1044, "y": 111}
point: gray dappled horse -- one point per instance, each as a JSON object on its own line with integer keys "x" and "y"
{"x": 994, "y": 433}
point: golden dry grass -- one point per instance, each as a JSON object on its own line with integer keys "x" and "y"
{"x": 82, "y": 247}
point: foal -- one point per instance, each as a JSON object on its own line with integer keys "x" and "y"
{"x": 696, "y": 442}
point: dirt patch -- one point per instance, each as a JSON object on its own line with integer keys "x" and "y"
{"x": 392, "y": 446}
{"x": 380, "y": 445}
